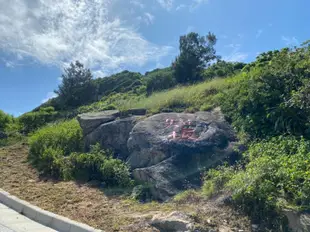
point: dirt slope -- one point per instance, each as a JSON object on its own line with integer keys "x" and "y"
{"x": 89, "y": 205}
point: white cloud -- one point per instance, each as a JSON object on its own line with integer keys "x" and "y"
{"x": 49, "y": 95}
{"x": 235, "y": 55}
{"x": 56, "y": 32}
{"x": 197, "y": 3}
{"x": 137, "y": 3}
{"x": 258, "y": 33}
{"x": 149, "y": 18}
{"x": 290, "y": 41}
{"x": 166, "y": 4}
{"x": 180, "y": 7}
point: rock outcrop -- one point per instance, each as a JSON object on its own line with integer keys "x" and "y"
{"x": 174, "y": 222}
{"x": 91, "y": 121}
{"x": 166, "y": 150}
{"x": 298, "y": 222}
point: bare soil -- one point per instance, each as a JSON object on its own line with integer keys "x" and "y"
{"x": 87, "y": 204}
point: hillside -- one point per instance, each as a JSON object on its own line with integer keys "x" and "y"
{"x": 266, "y": 102}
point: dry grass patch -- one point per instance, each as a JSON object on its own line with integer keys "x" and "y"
{"x": 86, "y": 204}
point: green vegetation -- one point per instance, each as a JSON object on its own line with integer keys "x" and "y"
{"x": 97, "y": 165}
{"x": 196, "y": 52}
{"x": 159, "y": 79}
{"x": 33, "y": 120}
{"x": 49, "y": 144}
{"x": 5, "y": 119}
{"x": 222, "y": 69}
{"x": 56, "y": 151}
{"x": 266, "y": 101}
{"x": 77, "y": 86}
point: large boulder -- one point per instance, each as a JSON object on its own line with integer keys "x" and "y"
{"x": 169, "y": 150}
{"x": 113, "y": 135}
{"x": 90, "y": 121}
{"x": 298, "y": 222}
{"x": 177, "y": 134}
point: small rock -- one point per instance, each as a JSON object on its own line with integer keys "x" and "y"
{"x": 174, "y": 222}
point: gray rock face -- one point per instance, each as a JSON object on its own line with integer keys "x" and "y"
{"x": 90, "y": 121}
{"x": 113, "y": 135}
{"x": 177, "y": 134}
{"x": 298, "y": 222}
{"x": 167, "y": 150}
{"x": 174, "y": 222}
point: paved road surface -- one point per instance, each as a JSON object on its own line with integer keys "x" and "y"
{"x": 11, "y": 221}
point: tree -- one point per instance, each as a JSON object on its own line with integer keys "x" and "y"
{"x": 196, "y": 52}
{"x": 77, "y": 87}
{"x": 4, "y": 120}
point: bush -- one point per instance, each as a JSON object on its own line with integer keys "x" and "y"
{"x": 34, "y": 120}
{"x": 215, "y": 180}
{"x": 5, "y": 119}
{"x": 276, "y": 175}
{"x": 222, "y": 69}
{"x": 97, "y": 165}
{"x": 56, "y": 151}
{"x": 265, "y": 103}
{"x": 49, "y": 144}
{"x": 160, "y": 79}
{"x": 187, "y": 196}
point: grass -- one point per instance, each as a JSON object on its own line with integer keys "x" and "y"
{"x": 200, "y": 96}
{"x": 87, "y": 204}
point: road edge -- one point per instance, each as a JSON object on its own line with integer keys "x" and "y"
{"x": 46, "y": 218}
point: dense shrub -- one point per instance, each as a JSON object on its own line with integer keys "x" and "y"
{"x": 97, "y": 165}
{"x": 36, "y": 119}
{"x": 275, "y": 175}
{"x": 215, "y": 180}
{"x": 49, "y": 144}
{"x": 5, "y": 119}
{"x": 77, "y": 87}
{"x": 57, "y": 151}
{"x": 159, "y": 79}
{"x": 222, "y": 69}
{"x": 118, "y": 83}
{"x": 261, "y": 104}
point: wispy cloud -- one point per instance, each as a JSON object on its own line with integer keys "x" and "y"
{"x": 259, "y": 33}
{"x": 137, "y": 3}
{"x": 235, "y": 54}
{"x": 149, "y": 18}
{"x": 49, "y": 95}
{"x": 166, "y": 4}
{"x": 290, "y": 41}
{"x": 180, "y": 7}
{"x": 56, "y": 32}
{"x": 192, "y": 5}
{"x": 196, "y": 3}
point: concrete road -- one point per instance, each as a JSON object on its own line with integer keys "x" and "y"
{"x": 11, "y": 221}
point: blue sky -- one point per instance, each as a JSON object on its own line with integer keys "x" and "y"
{"x": 38, "y": 38}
